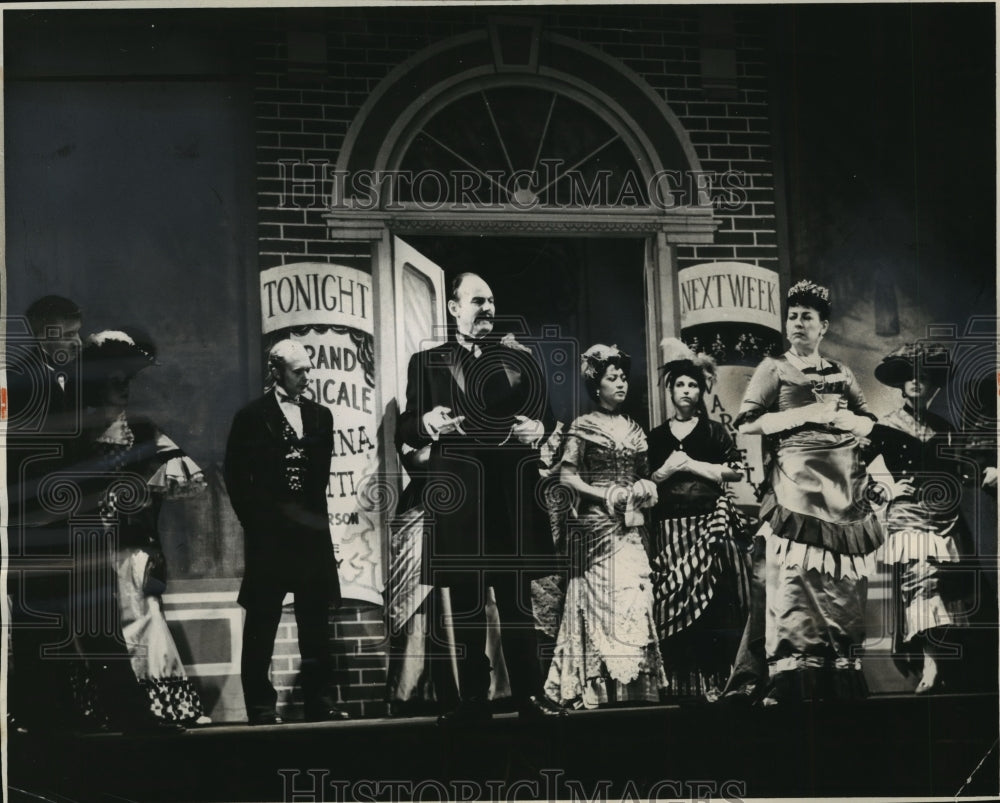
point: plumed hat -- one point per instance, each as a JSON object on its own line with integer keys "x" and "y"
{"x": 114, "y": 349}
{"x": 680, "y": 360}
{"x": 926, "y": 361}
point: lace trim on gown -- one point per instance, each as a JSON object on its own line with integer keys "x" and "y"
{"x": 606, "y": 649}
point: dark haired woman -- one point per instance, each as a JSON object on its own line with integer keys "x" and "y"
{"x": 132, "y": 468}
{"x": 812, "y": 414}
{"x": 606, "y": 649}
{"x": 700, "y": 560}
{"x": 923, "y": 522}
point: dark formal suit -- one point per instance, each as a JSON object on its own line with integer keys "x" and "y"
{"x": 43, "y": 419}
{"x": 43, "y": 416}
{"x": 487, "y": 525}
{"x": 282, "y": 507}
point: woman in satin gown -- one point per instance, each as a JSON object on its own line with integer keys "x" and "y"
{"x": 822, "y": 530}
{"x": 606, "y": 649}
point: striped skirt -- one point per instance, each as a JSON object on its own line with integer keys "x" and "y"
{"x": 693, "y": 558}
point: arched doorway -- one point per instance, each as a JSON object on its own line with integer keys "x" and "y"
{"x": 512, "y": 133}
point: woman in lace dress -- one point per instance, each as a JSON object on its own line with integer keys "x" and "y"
{"x": 700, "y": 558}
{"x": 134, "y": 467}
{"x": 926, "y": 534}
{"x": 606, "y": 649}
{"x": 823, "y": 532}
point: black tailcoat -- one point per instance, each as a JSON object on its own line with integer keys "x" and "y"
{"x": 287, "y": 537}
{"x": 481, "y": 494}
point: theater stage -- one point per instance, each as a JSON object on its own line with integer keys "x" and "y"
{"x": 892, "y": 746}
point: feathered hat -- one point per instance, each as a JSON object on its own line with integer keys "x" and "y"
{"x": 680, "y": 360}
{"x": 926, "y": 361}
{"x": 113, "y": 349}
{"x": 594, "y": 361}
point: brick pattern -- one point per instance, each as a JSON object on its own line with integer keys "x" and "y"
{"x": 359, "y": 663}
{"x": 302, "y": 118}
{"x": 728, "y": 135}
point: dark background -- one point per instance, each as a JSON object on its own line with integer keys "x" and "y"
{"x": 888, "y": 121}
{"x": 130, "y": 187}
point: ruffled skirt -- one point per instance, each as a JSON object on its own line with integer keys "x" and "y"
{"x": 606, "y": 649}
{"x": 155, "y": 660}
{"x": 923, "y": 551}
{"x": 819, "y": 557}
{"x": 815, "y": 622}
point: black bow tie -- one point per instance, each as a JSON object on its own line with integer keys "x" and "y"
{"x": 474, "y": 351}
{"x": 296, "y": 400}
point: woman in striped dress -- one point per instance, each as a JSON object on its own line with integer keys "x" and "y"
{"x": 700, "y": 559}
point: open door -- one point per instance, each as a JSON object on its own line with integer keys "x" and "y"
{"x": 419, "y": 323}
{"x": 420, "y": 307}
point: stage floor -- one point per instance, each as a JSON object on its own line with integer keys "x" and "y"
{"x": 891, "y": 746}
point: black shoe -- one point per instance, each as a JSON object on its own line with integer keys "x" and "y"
{"x": 468, "y": 712}
{"x": 736, "y": 699}
{"x": 326, "y": 714}
{"x": 540, "y": 708}
{"x": 263, "y": 718}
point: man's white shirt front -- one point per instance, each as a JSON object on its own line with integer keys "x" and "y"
{"x": 290, "y": 409}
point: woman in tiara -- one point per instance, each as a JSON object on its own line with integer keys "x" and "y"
{"x": 132, "y": 468}
{"x": 606, "y": 649}
{"x": 823, "y": 532}
{"x": 700, "y": 558}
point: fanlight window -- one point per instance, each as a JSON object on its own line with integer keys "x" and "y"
{"x": 520, "y": 147}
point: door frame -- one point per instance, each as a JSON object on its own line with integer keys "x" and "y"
{"x": 661, "y": 237}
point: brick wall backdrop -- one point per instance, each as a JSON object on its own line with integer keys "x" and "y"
{"x": 303, "y": 111}
{"x": 359, "y": 663}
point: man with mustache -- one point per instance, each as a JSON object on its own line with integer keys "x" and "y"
{"x": 482, "y": 406}
{"x": 277, "y": 468}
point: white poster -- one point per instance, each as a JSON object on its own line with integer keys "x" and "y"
{"x": 723, "y": 403}
{"x": 328, "y": 308}
{"x": 315, "y": 294}
{"x": 729, "y": 291}
{"x": 730, "y": 310}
